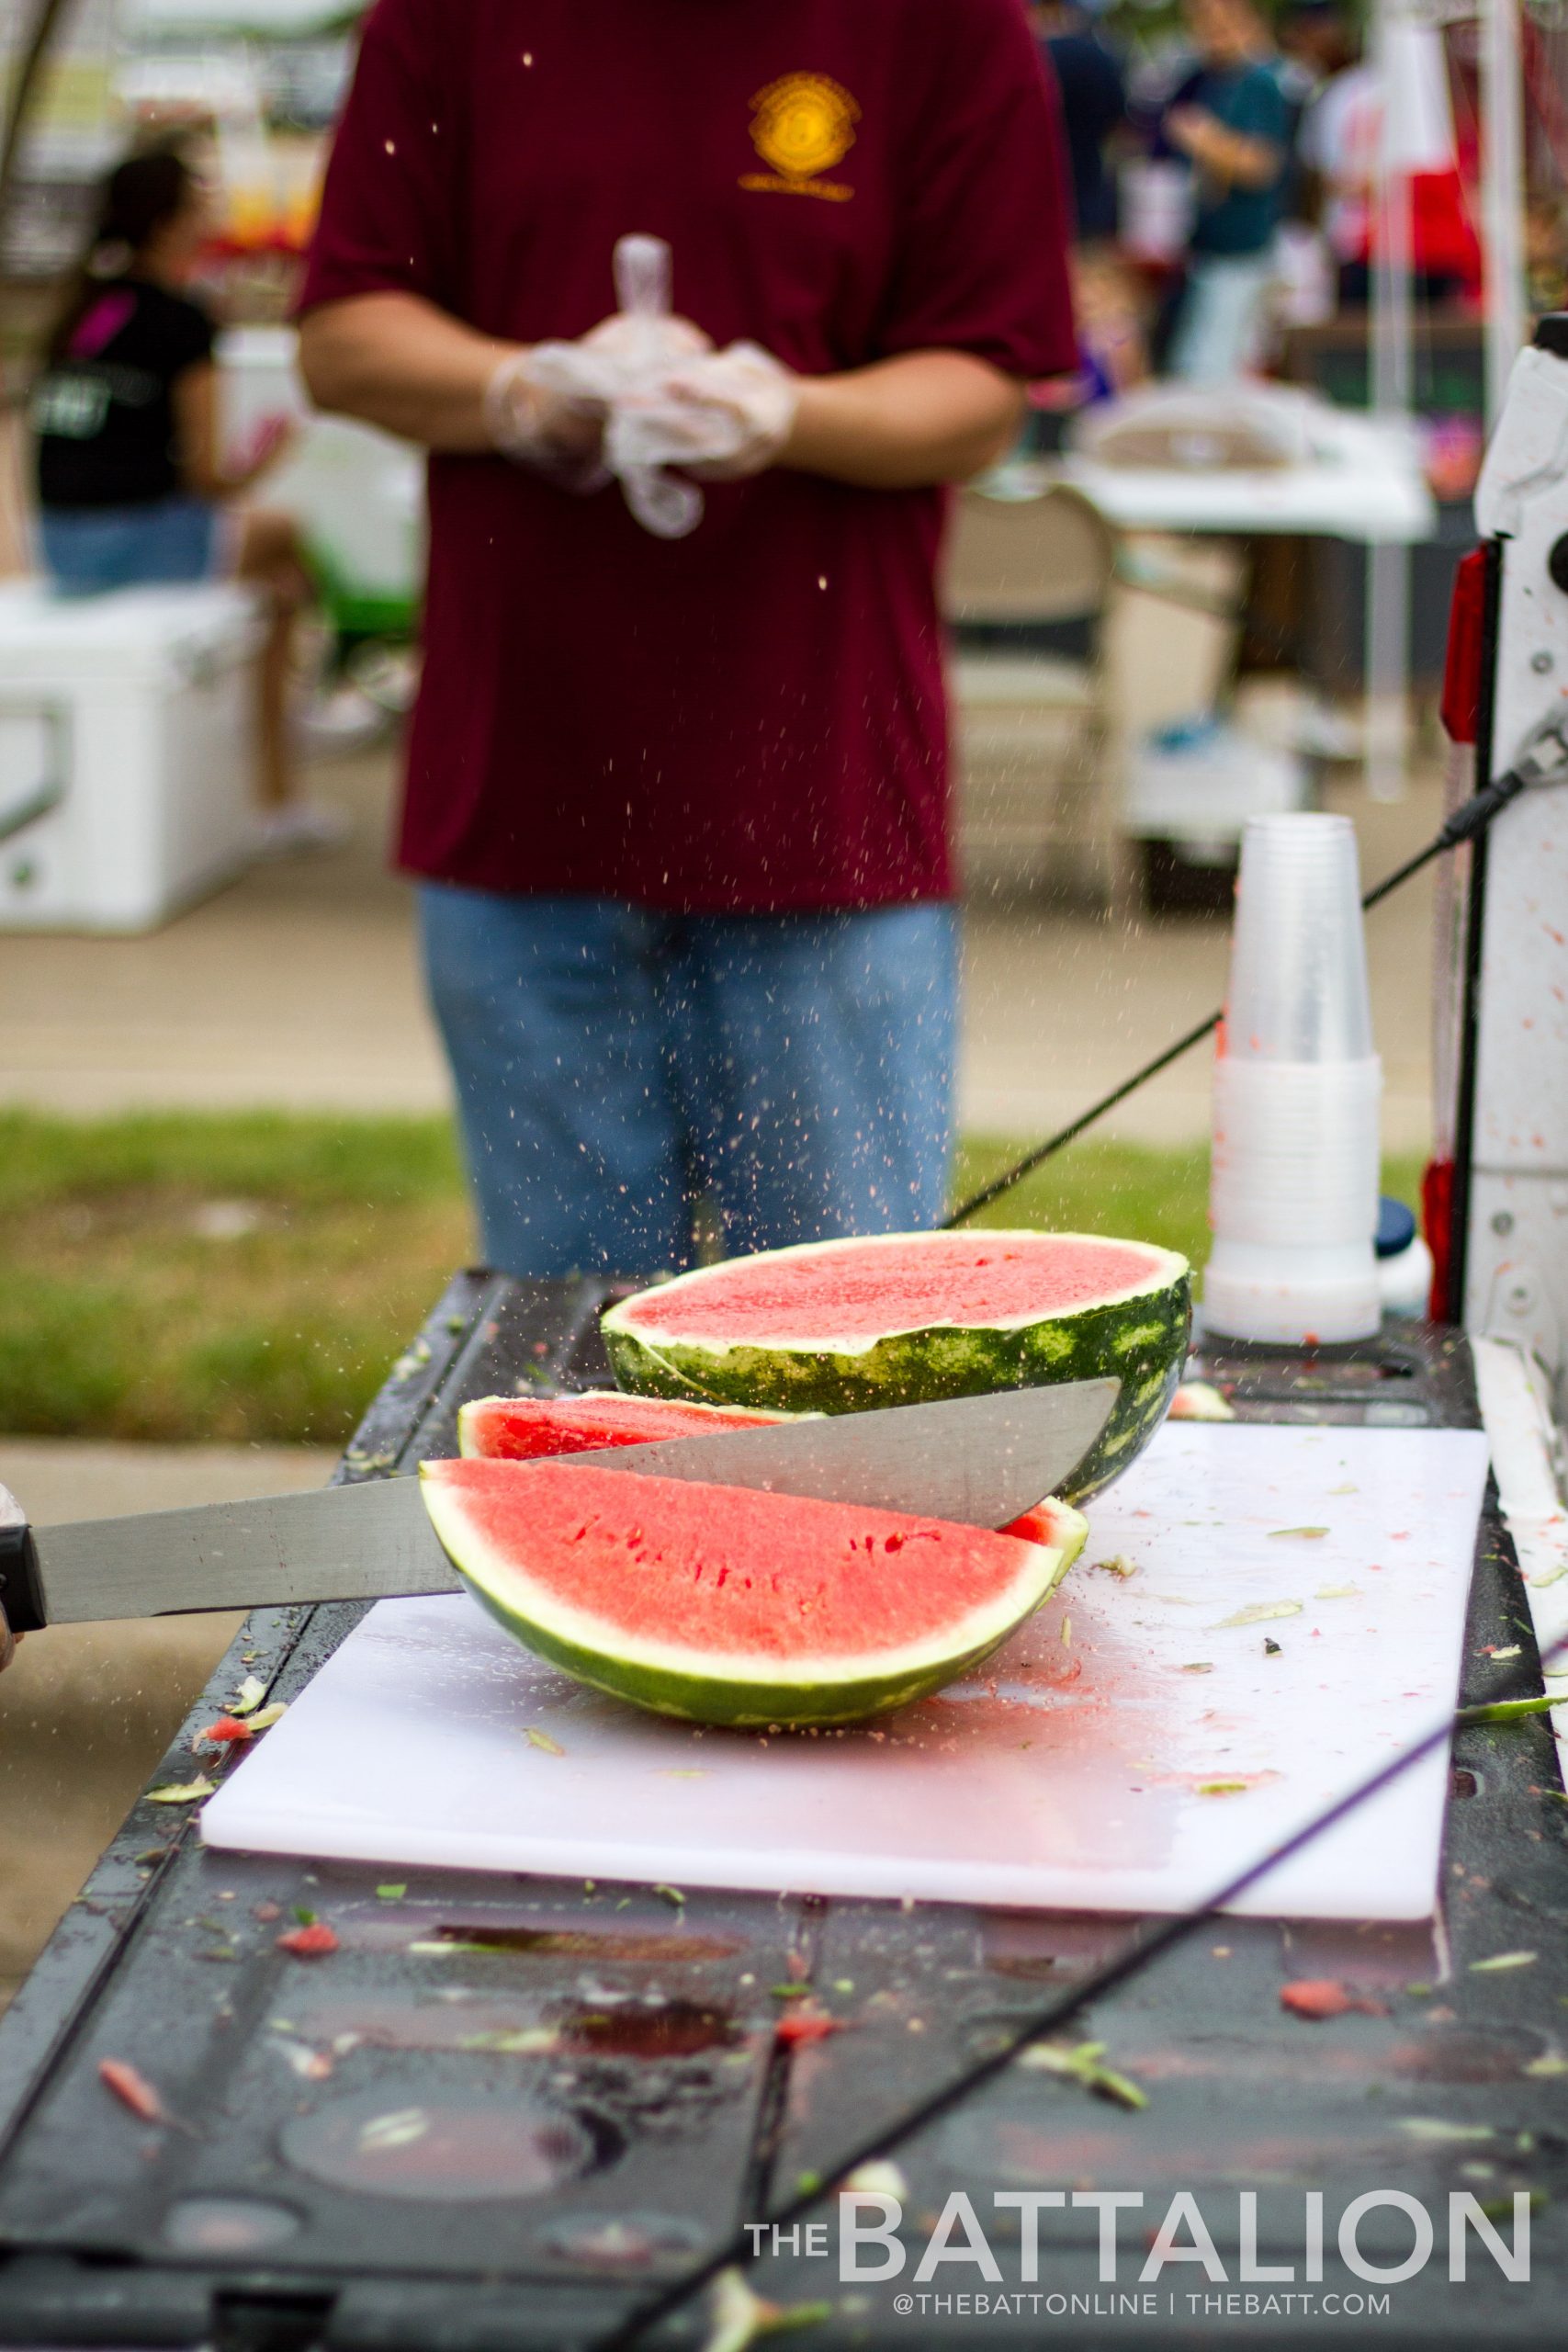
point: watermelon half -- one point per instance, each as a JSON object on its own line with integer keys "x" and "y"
{"x": 723, "y": 1605}
{"x": 527, "y": 1429}
{"x": 906, "y": 1319}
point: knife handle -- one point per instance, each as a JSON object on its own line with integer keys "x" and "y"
{"x": 22, "y": 1606}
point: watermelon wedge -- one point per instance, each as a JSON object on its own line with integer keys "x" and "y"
{"x": 907, "y": 1318}
{"x": 725, "y": 1606}
{"x": 525, "y": 1429}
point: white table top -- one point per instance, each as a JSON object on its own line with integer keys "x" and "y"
{"x": 1364, "y": 482}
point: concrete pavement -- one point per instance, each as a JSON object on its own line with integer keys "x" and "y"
{"x": 298, "y": 987}
{"x": 86, "y": 1711}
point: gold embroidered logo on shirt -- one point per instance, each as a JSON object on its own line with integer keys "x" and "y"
{"x": 803, "y": 124}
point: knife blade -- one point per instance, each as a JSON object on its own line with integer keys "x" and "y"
{"x": 980, "y": 1460}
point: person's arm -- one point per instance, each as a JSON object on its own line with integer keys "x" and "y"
{"x": 401, "y": 362}
{"x": 1232, "y": 157}
{"x": 194, "y": 393}
{"x": 398, "y": 361}
{"x": 903, "y": 424}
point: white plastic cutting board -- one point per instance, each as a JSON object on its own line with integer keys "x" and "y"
{"x": 1128, "y": 1751}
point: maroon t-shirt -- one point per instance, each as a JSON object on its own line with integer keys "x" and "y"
{"x": 751, "y": 718}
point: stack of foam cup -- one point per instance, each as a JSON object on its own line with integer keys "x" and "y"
{"x": 1294, "y": 1195}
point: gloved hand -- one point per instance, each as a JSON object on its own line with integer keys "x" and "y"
{"x": 633, "y": 342}
{"x": 643, "y": 393}
{"x": 558, "y": 433}
{"x": 546, "y": 406}
{"x": 721, "y": 416}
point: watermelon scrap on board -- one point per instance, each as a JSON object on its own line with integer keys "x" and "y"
{"x": 529, "y": 1428}
{"x": 727, "y": 1605}
{"x": 910, "y": 1319}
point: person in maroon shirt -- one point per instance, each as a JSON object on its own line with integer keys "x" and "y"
{"x": 679, "y": 807}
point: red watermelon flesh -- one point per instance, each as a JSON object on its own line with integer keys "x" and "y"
{"x": 866, "y": 1288}
{"x": 525, "y": 1429}
{"x": 727, "y": 1605}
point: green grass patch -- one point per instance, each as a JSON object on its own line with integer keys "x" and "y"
{"x": 249, "y": 1277}
{"x": 242, "y": 1277}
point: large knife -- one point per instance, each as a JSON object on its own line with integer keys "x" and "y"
{"x": 981, "y": 1460}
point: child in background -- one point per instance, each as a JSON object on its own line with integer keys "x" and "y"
{"x": 1110, "y": 306}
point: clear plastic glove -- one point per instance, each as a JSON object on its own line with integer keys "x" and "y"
{"x": 721, "y": 416}
{"x": 551, "y": 404}
{"x": 534, "y": 423}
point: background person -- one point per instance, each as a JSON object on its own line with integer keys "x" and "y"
{"x": 678, "y": 807}
{"x": 1341, "y": 143}
{"x": 132, "y": 489}
{"x": 1094, "y": 107}
{"x": 1232, "y": 120}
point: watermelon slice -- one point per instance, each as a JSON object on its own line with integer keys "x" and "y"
{"x": 725, "y": 1606}
{"x": 906, "y": 1319}
{"x": 524, "y": 1429}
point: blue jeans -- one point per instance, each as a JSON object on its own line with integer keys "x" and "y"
{"x": 616, "y": 1065}
{"x": 88, "y": 550}
{"x": 1218, "y": 327}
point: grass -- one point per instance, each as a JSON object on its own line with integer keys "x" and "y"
{"x": 249, "y": 1277}
{"x": 238, "y": 1277}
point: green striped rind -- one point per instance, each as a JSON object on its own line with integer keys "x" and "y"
{"x": 1139, "y": 1339}
{"x": 705, "y": 1688}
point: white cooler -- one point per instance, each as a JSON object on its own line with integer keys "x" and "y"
{"x": 126, "y": 751}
